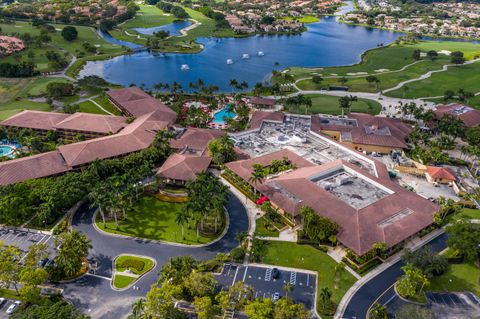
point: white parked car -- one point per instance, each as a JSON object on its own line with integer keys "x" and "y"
{"x": 2, "y": 300}
{"x": 12, "y": 307}
{"x": 276, "y": 296}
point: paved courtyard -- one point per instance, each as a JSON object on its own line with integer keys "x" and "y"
{"x": 265, "y": 286}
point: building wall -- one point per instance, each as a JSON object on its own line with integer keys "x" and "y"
{"x": 370, "y": 148}
{"x": 333, "y": 134}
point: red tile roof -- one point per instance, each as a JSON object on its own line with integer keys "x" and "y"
{"x": 183, "y": 167}
{"x": 441, "y": 173}
{"x": 262, "y": 101}
{"x": 259, "y": 116}
{"x": 37, "y": 166}
{"x": 137, "y": 102}
{"x": 136, "y": 136}
{"x": 391, "y": 219}
{"x": 94, "y": 123}
{"x": 36, "y": 120}
{"x": 366, "y": 129}
{"x": 469, "y": 115}
{"x": 195, "y": 139}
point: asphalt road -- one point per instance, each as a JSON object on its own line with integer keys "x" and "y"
{"x": 369, "y": 292}
{"x": 95, "y": 296}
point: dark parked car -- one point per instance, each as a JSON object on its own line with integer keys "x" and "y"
{"x": 275, "y": 273}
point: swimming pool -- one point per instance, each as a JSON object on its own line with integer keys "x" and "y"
{"x": 6, "y": 150}
{"x": 226, "y": 112}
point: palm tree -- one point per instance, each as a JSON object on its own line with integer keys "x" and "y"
{"x": 256, "y": 176}
{"x": 138, "y": 308}
{"x": 233, "y": 84}
{"x": 288, "y": 288}
{"x": 182, "y": 217}
{"x": 325, "y": 296}
{"x": 98, "y": 198}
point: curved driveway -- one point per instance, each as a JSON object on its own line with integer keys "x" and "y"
{"x": 95, "y": 297}
{"x": 381, "y": 284}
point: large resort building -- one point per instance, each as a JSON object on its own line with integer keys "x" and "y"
{"x": 335, "y": 180}
{"x": 109, "y": 137}
{"x": 328, "y": 169}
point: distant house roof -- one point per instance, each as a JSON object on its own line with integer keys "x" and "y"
{"x": 195, "y": 139}
{"x": 137, "y": 103}
{"x": 136, "y": 136}
{"x": 36, "y": 166}
{"x": 469, "y": 115}
{"x": 259, "y": 116}
{"x": 262, "y": 101}
{"x": 441, "y": 173}
{"x": 96, "y": 123}
{"x": 183, "y": 167}
{"x": 37, "y": 120}
{"x": 365, "y": 129}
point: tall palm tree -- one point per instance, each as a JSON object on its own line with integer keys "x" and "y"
{"x": 181, "y": 218}
{"x": 98, "y": 198}
{"x": 233, "y": 84}
{"x": 138, "y": 308}
{"x": 256, "y": 177}
{"x": 288, "y": 288}
{"x": 325, "y": 296}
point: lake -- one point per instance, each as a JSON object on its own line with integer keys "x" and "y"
{"x": 172, "y": 28}
{"x": 326, "y": 43}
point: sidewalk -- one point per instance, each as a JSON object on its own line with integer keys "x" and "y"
{"x": 414, "y": 244}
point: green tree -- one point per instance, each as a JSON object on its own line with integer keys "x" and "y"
{"x": 160, "y": 303}
{"x": 204, "y": 307}
{"x": 222, "y": 150}
{"x": 378, "y": 311}
{"x": 286, "y": 309}
{"x": 417, "y": 54}
{"x": 412, "y": 282}
{"x": 182, "y": 218}
{"x": 432, "y": 55}
{"x": 457, "y": 57}
{"x": 464, "y": 237}
{"x": 345, "y": 103}
{"x": 425, "y": 259}
{"x": 69, "y": 33}
{"x": 260, "y": 309}
{"x": 72, "y": 250}
{"x": 9, "y": 266}
{"x": 200, "y": 284}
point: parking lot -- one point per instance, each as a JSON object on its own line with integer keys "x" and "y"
{"x": 3, "y": 308}
{"x": 454, "y": 305}
{"x": 266, "y": 282}
{"x": 23, "y": 239}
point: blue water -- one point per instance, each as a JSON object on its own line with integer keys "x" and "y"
{"x": 226, "y": 112}
{"x": 115, "y": 41}
{"x": 326, "y": 43}
{"x": 172, "y": 28}
{"x": 6, "y": 151}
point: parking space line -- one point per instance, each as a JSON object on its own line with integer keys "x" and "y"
{"x": 268, "y": 274}
{"x": 235, "y": 277}
{"x": 245, "y": 274}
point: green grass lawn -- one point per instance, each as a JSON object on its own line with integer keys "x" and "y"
{"x": 147, "y": 17}
{"x": 148, "y": 264}
{"x": 106, "y": 104}
{"x": 470, "y": 49}
{"x": 459, "y": 277}
{"x": 304, "y": 19}
{"x": 326, "y": 104}
{"x": 121, "y": 281}
{"x": 9, "y": 294}
{"x": 262, "y": 231}
{"x": 90, "y": 107}
{"x": 388, "y": 80}
{"x": 289, "y": 254}
{"x": 85, "y": 34}
{"x": 465, "y": 77}
{"x": 155, "y": 219}
{"x": 469, "y": 213}
{"x": 11, "y": 108}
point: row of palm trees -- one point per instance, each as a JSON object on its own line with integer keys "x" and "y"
{"x": 207, "y": 197}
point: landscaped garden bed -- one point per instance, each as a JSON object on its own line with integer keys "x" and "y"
{"x": 129, "y": 268}
{"x": 152, "y": 218}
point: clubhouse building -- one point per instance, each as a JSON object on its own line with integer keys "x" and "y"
{"x": 335, "y": 180}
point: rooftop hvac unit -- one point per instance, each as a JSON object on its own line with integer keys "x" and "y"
{"x": 327, "y": 186}
{"x": 345, "y": 180}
